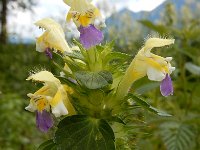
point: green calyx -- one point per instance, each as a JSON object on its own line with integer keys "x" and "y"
{"x": 97, "y": 73}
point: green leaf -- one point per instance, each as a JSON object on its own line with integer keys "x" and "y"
{"x": 177, "y": 136}
{"x": 107, "y": 76}
{"x": 99, "y": 48}
{"x": 47, "y": 145}
{"x": 105, "y": 49}
{"x": 82, "y": 50}
{"x": 192, "y": 68}
{"x": 85, "y": 133}
{"x": 116, "y": 56}
{"x": 74, "y": 65}
{"x": 140, "y": 101}
{"x": 94, "y": 80}
{"x": 75, "y": 54}
{"x": 68, "y": 74}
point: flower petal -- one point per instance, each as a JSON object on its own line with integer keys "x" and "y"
{"x": 157, "y": 42}
{"x": 69, "y": 2}
{"x": 44, "y": 120}
{"x": 90, "y": 36}
{"x": 59, "y": 110}
{"x": 43, "y": 76}
{"x": 154, "y": 74}
{"x": 40, "y": 45}
{"x": 57, "y": 106}
{"x": 31, "y": 107}
{"x": 53, "y": 37}
{"x": 49, "y": 24}
{"x": 166, "y": 87}
{"x": 79, "y": 5}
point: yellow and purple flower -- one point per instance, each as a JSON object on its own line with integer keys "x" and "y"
{"x": 156, "y": 68}
{"x": 51, "y": 98}
{"x": 52, "y": 38}
{"x": 84, "y": 14}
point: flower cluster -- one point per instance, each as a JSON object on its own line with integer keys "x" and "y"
{"x": 89, "y": 83}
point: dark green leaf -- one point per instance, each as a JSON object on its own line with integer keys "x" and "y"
{"x": 140, "y": 101}
{"x": 107, "y": 76}
{"x": 94, "y": 80}
{"x": 47, "y": 145}
{"x": 85, "y": 133}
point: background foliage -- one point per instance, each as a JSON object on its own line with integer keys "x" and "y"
{"x": 150, "y": 132}
{"x": 17, "y": 125}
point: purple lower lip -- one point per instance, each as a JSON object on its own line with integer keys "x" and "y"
{"x": 166, "y": 86}
{"x": 44, "y": 120}
{"x": 90, "y": 36}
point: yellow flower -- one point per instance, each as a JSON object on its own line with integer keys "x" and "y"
{"x": 51, "y": 97}
{"x": 53, "y": 37}
{"x": 82, "y": 12}
{"x": 147, "y": 63}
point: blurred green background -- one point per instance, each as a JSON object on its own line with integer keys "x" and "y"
{"x": 174, "y": 18}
